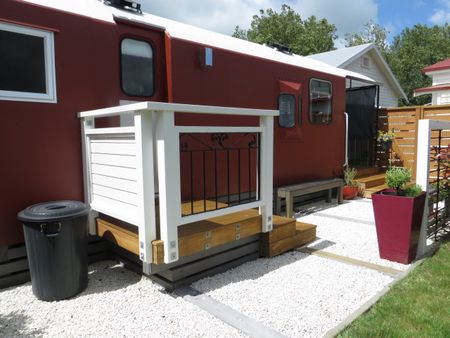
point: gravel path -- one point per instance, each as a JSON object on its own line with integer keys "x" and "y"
{"x": 296, "y": 294}
{"x": 339, "y": 232}
{"x": 117, "y": 303}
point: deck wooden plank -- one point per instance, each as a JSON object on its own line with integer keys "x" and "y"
{"x": 124, "y": 238}
{"x": 304, "y": 233}
{"x": 199, "y": 206}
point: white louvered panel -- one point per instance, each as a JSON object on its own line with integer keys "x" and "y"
{"x": 128, "y": 161}
{"x": 117, "y": 172}
{"x": 115, "y": 194}
{"x": 123, "y": 211}
{"x": 115, "y": 147}
{"x": 115, "y": 183}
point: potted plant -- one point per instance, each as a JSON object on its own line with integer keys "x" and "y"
{"x": 384, "y": 139}
{"x": 350, "y": 189}
{"x": 398, "y": 216}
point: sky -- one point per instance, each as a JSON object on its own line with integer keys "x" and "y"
{"x": 348, "y": 15}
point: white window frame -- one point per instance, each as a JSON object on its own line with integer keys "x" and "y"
{"x": 50, "y": 74}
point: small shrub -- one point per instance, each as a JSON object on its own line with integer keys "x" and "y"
{"x": 349, "y": 176}
{"x": 413, "y": 191}
{"x": 397, "y": 177}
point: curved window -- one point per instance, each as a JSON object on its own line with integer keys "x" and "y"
{"x": 137, "y": 67}
{"x": 286, "y": 105}
{"x": 320, "y": 95}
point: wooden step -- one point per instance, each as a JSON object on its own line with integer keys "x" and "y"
{"x": 363, "y": 172}
{"x": 304, "y": 233}
{"x": 371, "y": 181}
{"x": 368, "y": 192}
{"x": 283, "y": 227}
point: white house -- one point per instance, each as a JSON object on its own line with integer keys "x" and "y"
{"x": 440, "y": 88}
{"x": 366, "y": 59}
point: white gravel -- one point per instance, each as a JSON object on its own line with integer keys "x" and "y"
{"x": 117, "y": 303}
{"x": 296, "y": 294}
{"x": 348, "y": 237}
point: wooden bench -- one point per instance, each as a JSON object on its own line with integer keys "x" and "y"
{"x": 292, "y": 191}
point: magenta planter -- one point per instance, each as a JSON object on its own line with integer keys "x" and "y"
{"x": 398, "y": 220}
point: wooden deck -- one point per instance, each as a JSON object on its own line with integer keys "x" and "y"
{"x": 200, "y": 237}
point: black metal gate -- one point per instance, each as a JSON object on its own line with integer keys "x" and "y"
{"x": 439, "y": 194}
{"x": 362, "y": 107}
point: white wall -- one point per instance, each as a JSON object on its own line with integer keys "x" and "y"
{"x": 388, "y": 98}
{"x": 441, "y": 77}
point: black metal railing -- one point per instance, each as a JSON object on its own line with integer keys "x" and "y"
{"x": 218, "y": 170}
{"x": 439, "y": 194}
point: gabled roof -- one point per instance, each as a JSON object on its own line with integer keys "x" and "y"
{"x": 445, "y": 64}
{"x": 344, "y": 56}
{"x": 97, "y": 10}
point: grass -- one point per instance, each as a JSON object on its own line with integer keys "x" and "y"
{"x": 417, "y": 306}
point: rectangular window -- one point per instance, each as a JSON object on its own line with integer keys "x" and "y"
{"x": 286, "y": 106}
{"x": 27, "y": 64}
{"x": 137, "y": 67}
{"x": 320, "y": 105}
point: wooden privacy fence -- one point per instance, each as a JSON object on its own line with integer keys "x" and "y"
{"x": 404, "y": 122}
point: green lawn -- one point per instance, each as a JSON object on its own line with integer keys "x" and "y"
{"x": 418, "y": 306}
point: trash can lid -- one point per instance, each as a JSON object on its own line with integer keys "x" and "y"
{"x": 52, "y": 211}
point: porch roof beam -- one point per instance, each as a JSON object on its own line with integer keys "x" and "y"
{"x": 176, "y": 107}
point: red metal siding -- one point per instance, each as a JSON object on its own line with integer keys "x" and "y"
{"x": 301, "y": 153}
{"x": 40, "y": 142}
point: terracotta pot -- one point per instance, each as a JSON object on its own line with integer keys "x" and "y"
{"x": 398, "y": 220}
{"x": 349, "y": 192}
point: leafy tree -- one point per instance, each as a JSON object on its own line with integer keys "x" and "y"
{"x": 371, "y": 33}
{"x": 413, "y": 49}
{"x": 287, "y": 28}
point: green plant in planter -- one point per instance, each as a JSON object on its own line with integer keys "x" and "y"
{"x": 397, "y": 177}
{"x": 385, "y": 136}
{"x": 413, "y": 191}
{"x": 349, "y": 177}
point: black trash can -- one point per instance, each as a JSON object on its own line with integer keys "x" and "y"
{"x": 56, "y": 241}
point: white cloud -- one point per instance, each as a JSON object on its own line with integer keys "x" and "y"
{"x": 223, "y": 15}
{"x": 441, "y": 15}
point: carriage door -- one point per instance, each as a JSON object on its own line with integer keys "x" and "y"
{"x": 362, "y": 109}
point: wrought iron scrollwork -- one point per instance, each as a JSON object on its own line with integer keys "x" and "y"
{"x": 219, "y": 138}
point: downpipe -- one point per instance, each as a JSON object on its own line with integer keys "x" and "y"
{"x": 346, "y": 141}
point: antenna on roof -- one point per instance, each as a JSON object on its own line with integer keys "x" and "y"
{"x": 128, "y": 5}
{"x": 279, "y": 47}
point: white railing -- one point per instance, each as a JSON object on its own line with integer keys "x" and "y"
{"x": 424, "y": 146}
{"x": 121, "y": 164}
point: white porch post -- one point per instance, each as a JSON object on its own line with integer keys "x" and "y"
{"x": 86, "y": 124}
{"x": 145, "y": 183}
{"x": 422, "y": 177}
{"x": 168, "y": 150}
{"x": 266, "y": 172}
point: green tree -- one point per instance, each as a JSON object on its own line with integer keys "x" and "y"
{"x": 287, "y": 28}
{"x": 371, "y": 33}
{"x": 413, "y": 49}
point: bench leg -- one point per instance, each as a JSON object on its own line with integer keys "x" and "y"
{"x": 278, "y": 205}
{"x": 340, "y": 197}
{"x": 329, "y": 195}
{"x": 289, "y": 205}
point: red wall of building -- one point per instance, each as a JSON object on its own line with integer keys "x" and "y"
{"x": 301, "y": 153}
{"x": 40, "y": 142}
